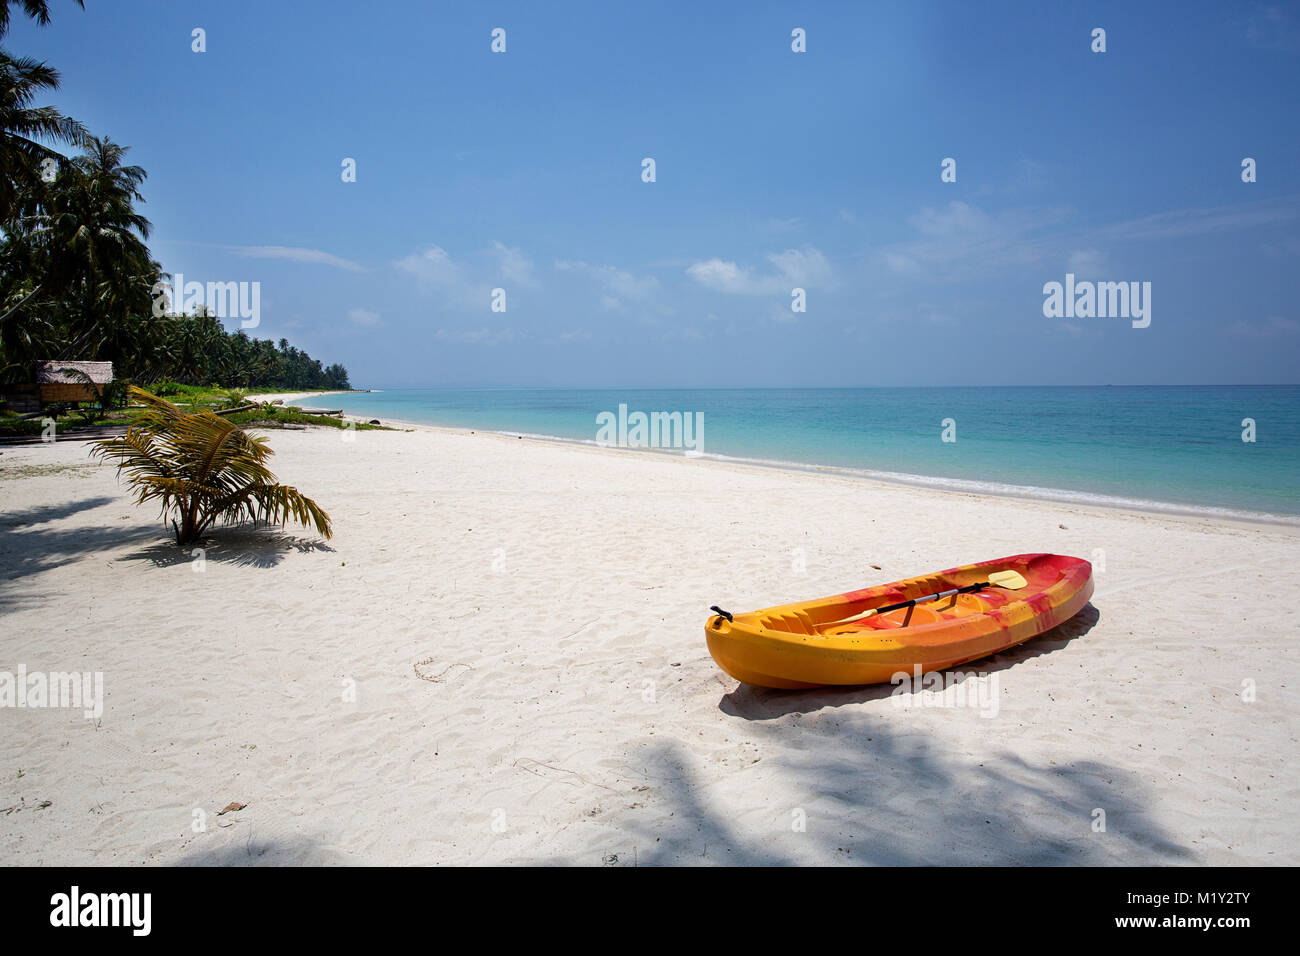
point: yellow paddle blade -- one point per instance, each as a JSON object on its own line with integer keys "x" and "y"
{"x": 856, "y": 617}
{"x": 1010, "y": 580}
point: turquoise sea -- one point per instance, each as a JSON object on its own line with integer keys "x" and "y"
{"x": 1152, "y": 446}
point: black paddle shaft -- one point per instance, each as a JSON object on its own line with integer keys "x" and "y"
{"x": 970, "y": 588}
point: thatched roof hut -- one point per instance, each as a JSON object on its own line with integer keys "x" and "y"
{"x": 60, "y": 382}
{"x": 65, "y": 373}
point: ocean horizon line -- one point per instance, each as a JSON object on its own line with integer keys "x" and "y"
{"x": 811, "y": 388}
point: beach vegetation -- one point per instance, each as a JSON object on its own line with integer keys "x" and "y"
{"x": 76, "y": 273}
{"x": 203, "y": 470}
{"x": 234, "y": 399}
{"x": 279, "y": 416}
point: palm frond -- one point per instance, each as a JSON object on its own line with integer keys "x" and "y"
{"x": 205, "y": 469}
{"x": 38, "y": 10}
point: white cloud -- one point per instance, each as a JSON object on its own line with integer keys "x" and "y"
{"x": 514, "y": 265}
{"x": 721, "y": 275}
{"x": 297, "y": 254}
{"x": 1086, "y": 263}
{"x": 1183, "y": 223}
{"x": 618, "y": 283}
{"x": 960, "y": 241}
{"x": 957, "y": 218}
{"x": 363, "y": 316}
{"x": 802, "y": 266}
{"x": 466, "y": 282}
{"x": 431, "y": 265}
{"x": 794, "y": 267}
{"x": 901, "y": 263}
{"x": 568, "y": 337}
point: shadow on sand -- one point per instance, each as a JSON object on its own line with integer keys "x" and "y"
{"x": 252, "y": 850}
{"x": 869, "y": 796}
{"x": 27, "y": 547}
{"x": 881, "y": 792}
{"x": 244, "y": 547}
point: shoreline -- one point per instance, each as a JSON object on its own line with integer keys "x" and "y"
{"x": 956, "y": 486}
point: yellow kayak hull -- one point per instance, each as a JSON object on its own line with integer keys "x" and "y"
{"x": 810, "y": 644}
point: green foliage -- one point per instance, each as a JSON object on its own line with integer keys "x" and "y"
{"x": 196, "y": 349}
{"x": 276, "y": 415}
{"x": 114, "y": 394}
{"x": 77, "y": 279}
{"x": 203, "y": 469}
{"x": 38, "y": 10}
{"x": 23, "y": 129}
{"x": 13, "y": 426}
{"x": 234, "y": 399}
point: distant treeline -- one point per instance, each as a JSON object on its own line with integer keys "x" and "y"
{"x": 76, "y": 277}
{"x": 197, "y": 350}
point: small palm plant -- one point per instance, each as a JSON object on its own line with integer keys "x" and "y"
{"x": 233, "y": 399}
{"x": 204, "y": 469}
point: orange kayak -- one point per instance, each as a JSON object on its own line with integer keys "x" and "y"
{"x": 813, "y": 643}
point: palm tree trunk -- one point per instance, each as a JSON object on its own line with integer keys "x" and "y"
{"x": 21, "y": 302}
{"x": 189, "y": 520}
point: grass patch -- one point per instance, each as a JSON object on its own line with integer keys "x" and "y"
{"x": 11, "y": 426}
{"x": 194, "y": 398}
{"x": 292, "y": 415}
{"x": 188, "y": 398}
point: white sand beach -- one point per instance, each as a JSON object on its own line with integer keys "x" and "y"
{"x": 522, "y": 623}
{"x": 292, "y": 398}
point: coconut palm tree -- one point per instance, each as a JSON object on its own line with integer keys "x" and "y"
{"x": 94, "y": 250}
{"x": 22, "y": 79}
{"x": 76, "y": 273}
{"x": 21, "y": 155}
{"x": 203, "y": 469}
{"x": 38, "y": 10}
{"x": 91, "y": 226}
{"x": 23, "y": 161}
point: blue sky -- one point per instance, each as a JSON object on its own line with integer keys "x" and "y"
{"x": 775, "y": 170}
